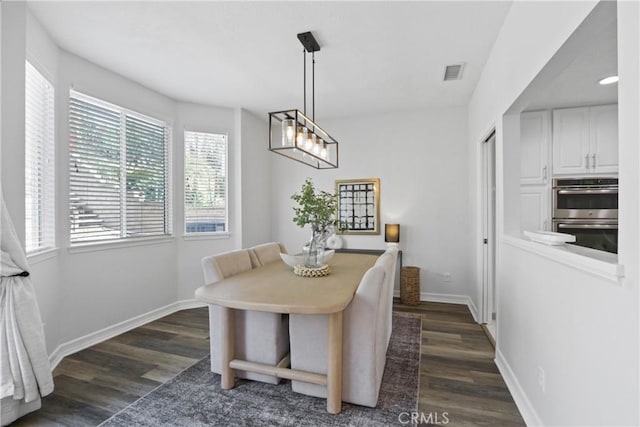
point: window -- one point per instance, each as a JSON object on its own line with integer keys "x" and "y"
{"x": 118, "y": 172}
{"x": 205, "y": 182}
{"x": 39, "y": 162}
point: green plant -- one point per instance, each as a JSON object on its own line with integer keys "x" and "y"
{"x": 317, "y": 208}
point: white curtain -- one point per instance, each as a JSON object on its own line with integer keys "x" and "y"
{"x": 25, "y": 373}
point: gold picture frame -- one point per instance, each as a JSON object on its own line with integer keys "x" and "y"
{"x": 358, "y": 206}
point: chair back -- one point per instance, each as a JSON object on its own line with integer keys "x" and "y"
{"x": 217, "y": 267}
{"x": 388, "y": 261}
{"x": 266, "y": 253}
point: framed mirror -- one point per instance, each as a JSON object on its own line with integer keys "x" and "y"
{"x": 359, "y": 206}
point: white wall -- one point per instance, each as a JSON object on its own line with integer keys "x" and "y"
{"x": 420, "y": 158}
{"x": 14, "y": 45}
{"x": 104, "y": 287}
{"x": 83, "y": 291}
{"x": 531, "y": 34}
{"x": 256, "y": 179}
{"x": 580, "y": 329}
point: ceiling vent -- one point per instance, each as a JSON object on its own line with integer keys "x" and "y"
{"x": 453, "y": 72}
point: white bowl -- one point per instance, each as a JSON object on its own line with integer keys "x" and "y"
{"x": 328, "y": 255}
{"x": 293, "y": 260}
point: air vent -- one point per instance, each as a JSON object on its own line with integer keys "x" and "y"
{"x": 453, "y": 72}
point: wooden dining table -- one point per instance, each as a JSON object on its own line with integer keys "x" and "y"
{"x": 275, "y": 288}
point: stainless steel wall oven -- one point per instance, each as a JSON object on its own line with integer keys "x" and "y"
{"x": 588, "y": 209}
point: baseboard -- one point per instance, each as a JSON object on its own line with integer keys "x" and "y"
{"x": 75, "y": 345}
{"x": 528, "y": 412}
{"x": 448, "y": 299}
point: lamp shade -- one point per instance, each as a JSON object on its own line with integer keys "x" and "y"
{"x": 392, "y": 233}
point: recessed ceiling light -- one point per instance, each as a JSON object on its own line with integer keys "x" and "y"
{"x": 608, "y": 80}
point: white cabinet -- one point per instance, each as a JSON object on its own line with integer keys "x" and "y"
{"x": 585, "y": 140}
{"x": 603, "y": 138}
{"x": 535, "y": 136}
{"x": 535, "y": 185}
{"x": 535, "y": 213}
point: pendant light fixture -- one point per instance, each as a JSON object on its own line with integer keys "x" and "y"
{"x": 294, "y": 134}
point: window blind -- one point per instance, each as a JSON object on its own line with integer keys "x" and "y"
{"x": 118, "y": 172}
{"x": 205, "y": 182}
{"x": 39, "y": 161}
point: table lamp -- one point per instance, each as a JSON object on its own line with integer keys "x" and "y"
{"x": 392, "y": 234}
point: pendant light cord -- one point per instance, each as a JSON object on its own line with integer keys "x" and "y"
{"x": 304, "y": 78}
{"x": 313, "y": 86}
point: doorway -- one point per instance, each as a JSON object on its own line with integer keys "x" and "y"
{"x": 489, "y": 304}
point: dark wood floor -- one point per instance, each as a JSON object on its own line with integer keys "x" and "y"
{"x": 458, "y": 376}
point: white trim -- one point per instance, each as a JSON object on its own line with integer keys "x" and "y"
{"x": 524, "y": 405}
{"x": 448, "y": 299}
{"x": 207, "y": 236}
{"x": 104, "y": 245}
{"x": 39, "y": 256}
{"x": 93, "y": 338}
{"x": 598, "y": 263}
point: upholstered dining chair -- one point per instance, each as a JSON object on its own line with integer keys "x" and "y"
{"x": 388, "y": 261}
{"x": 259, "y": 336}
{"x": 266, "y": 253}
{"x": 364, "y": 343}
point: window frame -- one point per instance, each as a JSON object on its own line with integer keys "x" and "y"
{"x": 124, "y": 240}
{"x": 45, "y": 199}
{"x": 206, "y": 234}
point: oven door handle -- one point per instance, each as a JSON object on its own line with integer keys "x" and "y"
{"x": 589, "y": 226}
{"x": 593, "y": 191}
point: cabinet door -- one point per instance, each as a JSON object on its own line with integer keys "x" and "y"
{"x": 534, "y": 147}
{"x": 571, "y": 141}
{"x": 603, "y": 141}
{"x": 534, "y": 208}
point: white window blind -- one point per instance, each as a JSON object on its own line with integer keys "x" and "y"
{"x": 118, "y": 172}
{"x": 39, "y": 162}
{"x": 205, "y": 182}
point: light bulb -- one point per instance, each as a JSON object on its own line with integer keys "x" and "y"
{"x": 302, "y": 136}
{"x": 288, "y": 126}
{"x": 323, "y": 152}
{"x": 310, "y": 141}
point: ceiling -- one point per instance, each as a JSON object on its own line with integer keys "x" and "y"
{"x": 590, "y": 54}
{"x": 375, "y": 56}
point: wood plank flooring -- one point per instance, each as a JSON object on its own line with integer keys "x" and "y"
{"x": 458, "y": 376}
{"x": 457, "y": 373}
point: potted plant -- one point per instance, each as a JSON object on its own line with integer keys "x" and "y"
{"x": 317, "y": 208}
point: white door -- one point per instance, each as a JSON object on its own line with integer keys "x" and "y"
{"x": 489, "y": 304}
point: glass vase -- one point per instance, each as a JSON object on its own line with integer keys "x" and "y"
{"x": 314, "y": 253}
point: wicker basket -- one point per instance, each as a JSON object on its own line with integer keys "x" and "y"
{"x": 410, "y": 285}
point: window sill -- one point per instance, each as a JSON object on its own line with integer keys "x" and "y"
{"x": 599, "y": 263}
{"x": 41, "y": 255}
{"x": 118, "y": 244}
{"x": 206, "y": 236}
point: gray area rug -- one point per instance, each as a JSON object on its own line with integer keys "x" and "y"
{"x": 194, "y": 397}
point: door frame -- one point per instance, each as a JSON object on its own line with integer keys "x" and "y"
{"x": 488, "y": 227}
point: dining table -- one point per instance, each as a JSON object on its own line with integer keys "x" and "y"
{"x": 275, "y": 288}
